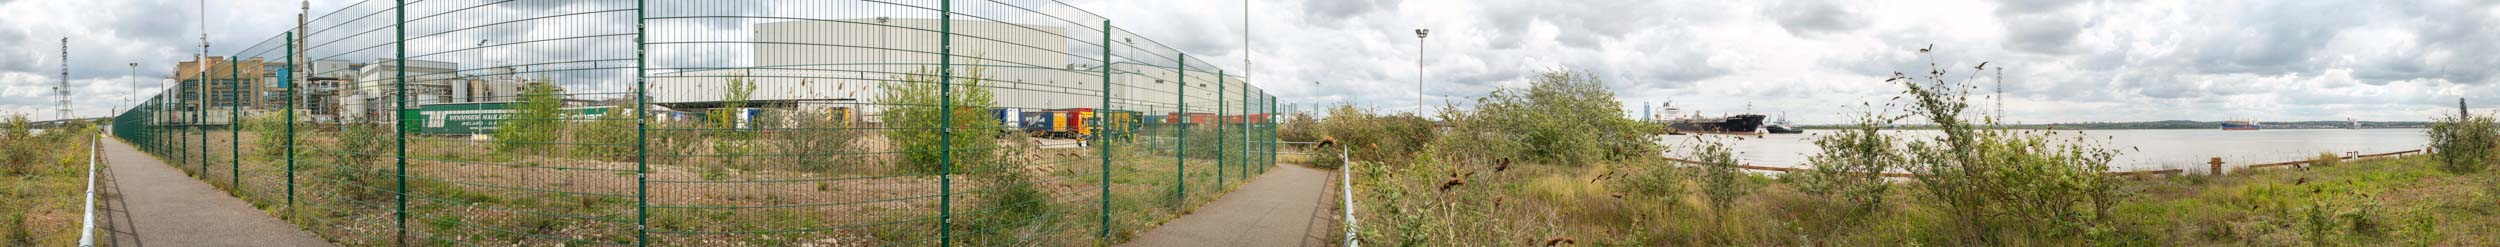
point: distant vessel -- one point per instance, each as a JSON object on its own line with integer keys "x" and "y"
{"x": 1782, "y": 127}
{"x": 2240, "y": 125}
{"x": 1740, "y": 124}
{"x": 2356, "y": 124}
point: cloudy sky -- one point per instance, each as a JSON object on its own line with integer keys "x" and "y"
{"x": 2065, "y": 61}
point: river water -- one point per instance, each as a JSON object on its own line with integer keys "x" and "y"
{"x": 2138, "y": 149}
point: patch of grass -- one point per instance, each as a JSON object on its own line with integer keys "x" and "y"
{"x": 34, "y": 171}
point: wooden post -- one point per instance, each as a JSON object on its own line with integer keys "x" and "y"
{"x": 2217, "y": 162}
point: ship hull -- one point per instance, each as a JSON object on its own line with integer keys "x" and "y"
{"x": 1747, "y": 124}
{"x": 2234, "y": 125}
{"x": 1782, "y": 129}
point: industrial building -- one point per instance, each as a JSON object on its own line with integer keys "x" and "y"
{"x": 843, "y": 64}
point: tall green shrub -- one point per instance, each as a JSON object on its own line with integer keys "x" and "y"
{"x": 534, "y": 121}
{"x": 1993, "y": 180}
{"x": 1850, "y": 166}
{"x": 1722, "y": 180}
{"x": 1562, "y": 117}
{"x": 609, "y": 137}
{"x": 729, "y": 140}
{"x": 2465, "y": 144}
{"x": 1390, "y": 139}
{"x": 913, "y": 122}
{"x": 271, "y": 130}
{"x": 819, "y": 140}
{"x": 15, "y": 153}
{"x": 1299, "y": 128}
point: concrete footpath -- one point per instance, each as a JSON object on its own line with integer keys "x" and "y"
{"x": 1288, "y": 206}
{"x": 150, "y": 203}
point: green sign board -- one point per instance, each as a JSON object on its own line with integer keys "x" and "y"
{"x": 480, "y": 118}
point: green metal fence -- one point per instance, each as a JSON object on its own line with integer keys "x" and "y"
{"x": 751, "y": 122}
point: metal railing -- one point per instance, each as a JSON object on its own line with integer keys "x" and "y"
{"x": 86, "y": 227}
{"x": 1346, "y": 177}
{"x": 740, "y": 122}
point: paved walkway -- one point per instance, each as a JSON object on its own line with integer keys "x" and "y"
{"x": 150, "y": 203}
{"x": 1288, "y": 206}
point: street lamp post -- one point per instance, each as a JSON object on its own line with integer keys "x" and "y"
{"x": 134, "y": 86}
{"x": 1419, "y": 69}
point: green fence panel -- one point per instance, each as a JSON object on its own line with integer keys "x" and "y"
{"x": 752, "y": 122}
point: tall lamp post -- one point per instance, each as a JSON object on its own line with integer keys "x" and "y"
{"x": 1419, "y": 69}
{"x": 134, "y": 87}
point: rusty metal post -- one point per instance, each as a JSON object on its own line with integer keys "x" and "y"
{"x": 2217, "y": 163}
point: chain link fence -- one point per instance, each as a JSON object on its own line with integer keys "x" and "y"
{"x": 746, "y": 122}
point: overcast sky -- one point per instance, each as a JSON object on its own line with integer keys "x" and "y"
{"x": 2066, "y": 61}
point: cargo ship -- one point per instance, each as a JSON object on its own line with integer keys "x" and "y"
{"x": 2240, "y": 125}
{"x": 1740, "y": 124}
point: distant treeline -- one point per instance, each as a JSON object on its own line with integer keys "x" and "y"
{"x": 2179, "y": 124}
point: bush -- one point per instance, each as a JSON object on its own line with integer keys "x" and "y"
{"x": 609, "y": 137}
{"x": 1299, "y": 128}
{"x": 272, "y": 130}
{"x": 534, "y": 122}
{"x": 14, "y": 156}
{"x": 1851, "y": 164}
{"x": 730, "y": 140}
{"x": 1563, "y": 117}
{"x": 820, "y": 140}
{"x": 1996, "y": 181}
{"x": 1374, "y": 138}
{"x": 1722, "y": 181}
{"x": 2465, "y": 144}
{"x": 914, "y": 119}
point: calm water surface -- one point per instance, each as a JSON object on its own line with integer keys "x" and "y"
{"x": 2141, "y": 149}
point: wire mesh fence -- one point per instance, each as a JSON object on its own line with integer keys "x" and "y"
{"x": 753, "y": 122}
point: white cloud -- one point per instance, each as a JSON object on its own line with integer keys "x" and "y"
{"x": 2067, "y": 61}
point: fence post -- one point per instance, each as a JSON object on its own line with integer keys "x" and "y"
{"x": 1180, "y": 155}
{"x": 1105, "y": 232}
{"x": 289, "y": 77}
{"x": 234, "y": 124}
{"x": 1219, "y": 130}
{"x": 946, "y": 122}
{"x": 399, "y": 119}
{"x": 642, "y": 136}
{"x": 1246, "y": 130}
